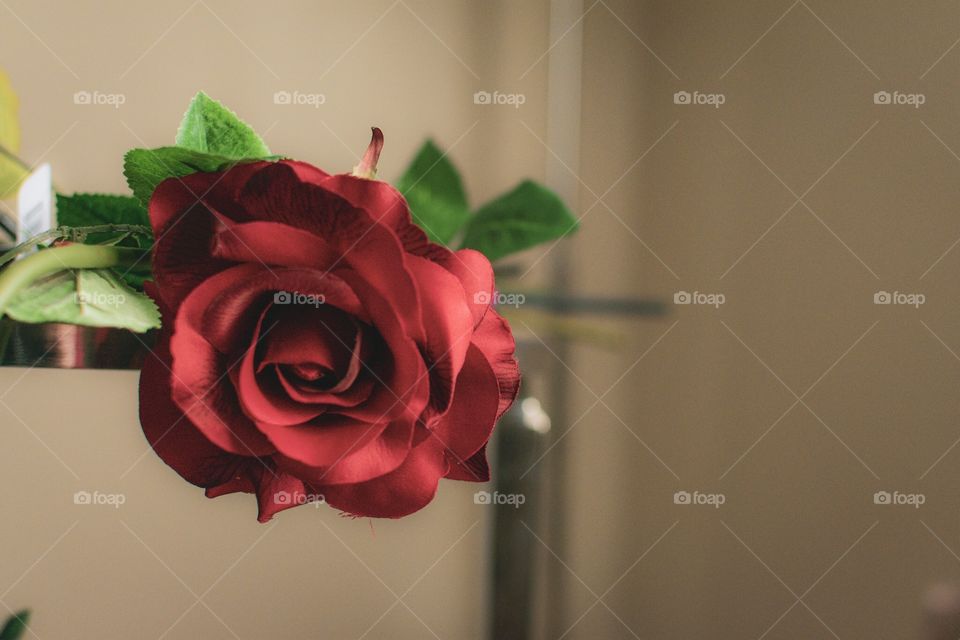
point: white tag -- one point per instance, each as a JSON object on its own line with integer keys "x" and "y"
{"x": 35, "y": 204}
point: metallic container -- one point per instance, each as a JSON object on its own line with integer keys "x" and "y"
{"x": 67, "y": 346}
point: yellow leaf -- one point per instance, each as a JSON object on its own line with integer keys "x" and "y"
{"x": 12, "y": 171}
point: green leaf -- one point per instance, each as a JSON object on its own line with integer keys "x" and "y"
{"x": 137, "y": 275}
{"x": 209, "y": 127}
{"x": 90, "y": 297}
{"x": 88, "y": 209}
{"x": 210, "y": 138}
{"x": 15, "y": 626}
{"x": 147, "y": 168}
{"x": 523, "y": 218}
{"x": 433, "y": 188}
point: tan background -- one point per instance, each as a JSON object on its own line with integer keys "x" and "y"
{"x": 693, "y": 199}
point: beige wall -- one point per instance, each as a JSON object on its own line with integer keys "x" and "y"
{"x": 800, "y": 299}
{"x": 799, "y": 504}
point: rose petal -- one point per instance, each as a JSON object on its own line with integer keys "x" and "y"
{"x": 358, "y": 392}
{"x": 201, "y": 384}
{"x": 181, "y": 256}
{"x": 203, "y": 391}
{"x": 227, "y": 306}
{"x": 276, "y": 491}
{"x": 466, "y": 427}
{"x": 174, "y": 196}
{"x": 363, "y": 460}
{"x": 323, "y": 441}
{"x": 280, "y": 493}
{"x": 276, "y": 194}
{"x": 476, "y": 275}
{"x": 475, "y": 469}
{"x": 265, "y": 402}
{"x": 449, "y": 325}
{"x": 174, "y": 438}
{"x": 356, "y": 384}
{"x": 401, "y": 492}
{"x": 306, "y": 171}
{"x": 387, "y": 206}
{"x": 185, "y": 213}
{"x": 273, "y": 243}
{"x": 404, "y": 383}
{"x": 494, "y": 338}
{"x": 307, "y": 334}
{"x": 295, "y": 335}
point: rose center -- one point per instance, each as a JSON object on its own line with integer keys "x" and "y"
{"x": 314, "y": 375}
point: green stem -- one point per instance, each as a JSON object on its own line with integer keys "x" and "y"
{"x": 49, "y": 261}
{"x": 72, "y": 233}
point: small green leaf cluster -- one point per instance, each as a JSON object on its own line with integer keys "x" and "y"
{"x": 524, "y": 217}
{"x": 210, "y": 138}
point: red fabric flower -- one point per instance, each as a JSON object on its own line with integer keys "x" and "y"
{"x": 315, "y": 343}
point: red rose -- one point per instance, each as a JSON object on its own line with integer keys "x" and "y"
{"x": 315, "y": 343}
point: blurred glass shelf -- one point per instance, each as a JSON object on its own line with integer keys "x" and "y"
{"x": 66, "y": 346}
